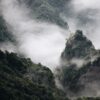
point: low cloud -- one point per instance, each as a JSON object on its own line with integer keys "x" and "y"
{"x": 42, "y": 42}
{"x": 84, "y": 15}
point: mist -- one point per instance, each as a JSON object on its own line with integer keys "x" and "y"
{"x": 43, "y": 42}
{"x": 84, "y": 15}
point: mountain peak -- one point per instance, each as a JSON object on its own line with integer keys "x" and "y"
{"x": 79, "y": 36}
{"x": 80, "y": 66}
{"x": 78, "y": 46}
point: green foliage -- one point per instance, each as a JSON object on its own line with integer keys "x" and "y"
{"x": 21, "y": 79}
{"x": 41, "y": 75}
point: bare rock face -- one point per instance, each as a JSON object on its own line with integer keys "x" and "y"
{"x": 80, "y": 67}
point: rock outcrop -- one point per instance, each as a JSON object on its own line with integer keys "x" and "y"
{"x": 80, "y": 67}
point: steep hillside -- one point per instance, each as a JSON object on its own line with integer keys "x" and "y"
{"x": 4, "y": 33}
{"x": 20, "y": 79}
{"x": 80, "y": 71}
{"x": 47, "y": 10}
{"x": 79, "y": 47}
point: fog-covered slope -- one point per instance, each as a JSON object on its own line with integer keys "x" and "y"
{"x": 47, "y": 10}
{"x": 37, "y": 29}
{"x": 80, "y": 66}
{"x": 21, "y": 79}
{"x": 79, "y": 47}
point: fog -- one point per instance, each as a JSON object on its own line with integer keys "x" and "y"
{"x": 44, "y": 42}
{"x": 41, "y": 41}
{"x": 84, "y": 15}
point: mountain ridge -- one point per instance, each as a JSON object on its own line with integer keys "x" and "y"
{"x": 80, "y": 65}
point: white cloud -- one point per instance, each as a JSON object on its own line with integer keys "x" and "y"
{"x": 85, "y": 15}
{"x": 84, "y": 4}
{"x": 42, "y": 42}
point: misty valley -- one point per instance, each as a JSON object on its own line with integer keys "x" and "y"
{"x": 49, "y": 50}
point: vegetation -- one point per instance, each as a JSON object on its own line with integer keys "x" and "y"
{"x": 75, "y": 75}
{"x": 4, "y": 33}
{"x": 47, "y": 10}
{"x": 21, "y": 79}
{"x": 79, "y": 47}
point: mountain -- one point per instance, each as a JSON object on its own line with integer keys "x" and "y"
{"x": 80, "y": 67}
{"x": 79, "y": 47}
{"x": 47, "y": 10}
{"x": 78, "y": 75}
{"x": 21, "y": 79}
{"x": 5, "y": 34}
{"x": 43, "y": 10}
